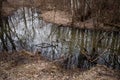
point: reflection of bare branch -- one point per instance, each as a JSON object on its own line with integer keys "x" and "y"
{"x": 45, "y": 45}
{"x": 15, "y": 33}
{"x": 93, "y": 60}
{"x": 52, "y": 32}
{"x": 99, "y": 55}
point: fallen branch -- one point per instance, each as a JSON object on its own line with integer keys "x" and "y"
{"x": 93, "y": 60}
{"x": 112, "y": 25}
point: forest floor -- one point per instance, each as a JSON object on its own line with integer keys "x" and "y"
{"x": 60, "y": 17}
{"x": 20, "y": 66}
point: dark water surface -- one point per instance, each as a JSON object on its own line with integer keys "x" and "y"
{"x": 79, "y": 48}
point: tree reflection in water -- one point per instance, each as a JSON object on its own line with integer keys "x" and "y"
{"x": 78, "y": 48}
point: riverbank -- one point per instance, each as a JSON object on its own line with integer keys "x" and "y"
{"x": 20, "y": 66}
{"x": 59, "y": 17}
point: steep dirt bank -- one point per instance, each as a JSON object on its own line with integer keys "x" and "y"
{"x": 20, "y": 66}
{"x": 56, "y": 16}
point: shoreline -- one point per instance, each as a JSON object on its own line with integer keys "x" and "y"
{"x": 60, "y": 18}
{"x": 38, "y": 68}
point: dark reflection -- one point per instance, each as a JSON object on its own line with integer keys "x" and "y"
{"x": 74, "y": 47}
{"x": 6, "y": 35}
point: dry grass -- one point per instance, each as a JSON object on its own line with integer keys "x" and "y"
{"x": 57, "y": 17}
{"x": 99, "y": 73}
{"x": 21, "y": 67}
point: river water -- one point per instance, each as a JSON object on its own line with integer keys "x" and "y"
{"x": 78, "y": 47}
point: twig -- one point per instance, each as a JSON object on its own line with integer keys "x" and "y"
{"x": 89, "y": 59}
{"x": 112, "y": 24}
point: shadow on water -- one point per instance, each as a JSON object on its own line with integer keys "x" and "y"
{"x": 76, "y": 47}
